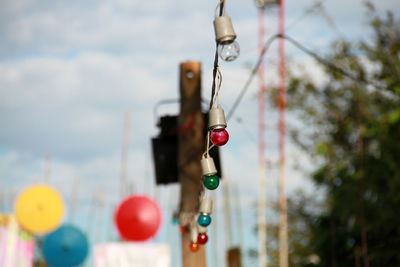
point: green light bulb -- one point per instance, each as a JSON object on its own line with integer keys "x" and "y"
{"x": 211, "y": 182}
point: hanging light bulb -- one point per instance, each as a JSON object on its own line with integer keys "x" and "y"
{"x": 210, "y": 180}
{"x": 194, "y": 247}
{"x": 217, "y": 123}
{"x": 202, "y": 238}
{"x": 194, "y": 233}
{"x": 204, "y": 220}
{"x": 175, "y": 218}
{"x": 228, "y": 49}
{"x": 219, "y": 136}
{"x": 205, "y": 210}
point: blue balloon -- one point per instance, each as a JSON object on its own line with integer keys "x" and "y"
{"x": 65, "y": 247}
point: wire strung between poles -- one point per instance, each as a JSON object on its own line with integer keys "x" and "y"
{"x": 305, "y": 50}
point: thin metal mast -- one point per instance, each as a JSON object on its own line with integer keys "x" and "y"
{"x": 262, "y": 201}
{"x": 283, "y": 231}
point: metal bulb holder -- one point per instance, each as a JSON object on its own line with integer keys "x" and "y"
{"x": 204, "y": 219}
{"x": 217, "y": 118}
{"x": 206, "y": 206}
{"x": 201, "y": 229}
{"x": 217, "y": 123}
{"x": 224, "y": 32}
{"x": 208, "y": 166}
{"x": 194, "y": 232}
{"x": 228, "y": 48}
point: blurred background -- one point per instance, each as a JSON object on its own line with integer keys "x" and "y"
{"x": 78, "y": 76}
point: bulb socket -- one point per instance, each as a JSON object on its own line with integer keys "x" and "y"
{"x": 201, "y": 229}
{"x": 223, "y": 28}
{"x": 185, "y": 218}
{"x": 208, "y": 166}
{"x": 217, "y": 118}
{"x": 194, "y": 233}
{"x": 206, "y": 206}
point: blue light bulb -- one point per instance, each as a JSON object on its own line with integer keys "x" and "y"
{"x": 175, "y": 220}
{"x": 204, "y": 220}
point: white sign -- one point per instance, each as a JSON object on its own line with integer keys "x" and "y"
{"x": 127, "y": 254}
{"x": 16, "y": 245}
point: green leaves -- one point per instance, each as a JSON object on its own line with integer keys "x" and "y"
{"x": 354, "y": 130}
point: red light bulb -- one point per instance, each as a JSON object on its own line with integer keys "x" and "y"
{"x": 202, "y": 238}
{"x": 219, "y": 136}
{"x": 194, "y": 247}
{"x": 182, "y": 229}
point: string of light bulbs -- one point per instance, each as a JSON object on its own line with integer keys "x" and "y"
{"x": 217, "y": 122}
{"x": 227, "y": 49}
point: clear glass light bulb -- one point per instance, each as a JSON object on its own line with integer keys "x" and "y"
{"x": 229, "y": 51}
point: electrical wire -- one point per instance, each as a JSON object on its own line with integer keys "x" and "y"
{"x": 306, "y": 12}
{"x": 221, "y": 11}
{"x": 221, "y": 5}
{"x": 321, "y": 60}
{"x": 258, "y": 63}
{"x": 331, "y": 65}
{"x": 294, "y": 22}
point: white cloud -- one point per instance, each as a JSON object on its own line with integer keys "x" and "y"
{"x": 69, "y": 69}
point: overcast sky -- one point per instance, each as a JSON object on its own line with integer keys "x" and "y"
{"x": 69, "y": 70}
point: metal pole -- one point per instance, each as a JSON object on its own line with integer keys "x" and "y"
{"x": 283, "y": 232}
{"x": 262, "y": 202}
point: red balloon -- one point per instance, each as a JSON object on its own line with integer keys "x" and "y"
{"x": 138, "y": 218}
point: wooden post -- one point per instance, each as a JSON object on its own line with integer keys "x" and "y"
{"x": 190, "y": 147}
{"x": 234, "y": 258}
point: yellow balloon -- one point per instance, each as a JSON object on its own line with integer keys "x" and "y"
{"x": 39, "y": 209}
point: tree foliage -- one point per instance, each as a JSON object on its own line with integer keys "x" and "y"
{"x": 352, "y": 127}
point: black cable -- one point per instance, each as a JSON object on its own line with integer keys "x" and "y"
{"x": 221, "y": 11}
{"x": 260, "y": 60}
{"x": 196, "y": 153}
